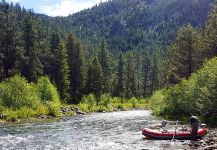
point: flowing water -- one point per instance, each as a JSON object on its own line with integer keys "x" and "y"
{"x": 100, "y": 131}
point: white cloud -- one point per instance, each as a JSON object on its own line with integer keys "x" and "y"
{"x": 66, "y": 7}
{"x": 13, "y": 1}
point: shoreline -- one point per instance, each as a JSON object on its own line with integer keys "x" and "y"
{"x": 208, "y": 142}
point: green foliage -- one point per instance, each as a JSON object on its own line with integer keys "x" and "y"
{"x": 60, "y": 72}
{"x": 47, "y": 91}
{"x": 197, "y": 95}
{"x": 16, "y": 93}
{"x": 32, "y": 68}
{"x": 10, "y": 52}
{"x": 185, "y": 54}
{"x": 49, "y": 97}
{"x": 106, "y": 103}
{"x": 20, "y": 99}
{"x": 120, "y": 86}
{"x": 76, "y": 68}
{"x": 95, "y": 78}
{"x": 104, "y": 59}
{"x": 88, "y": 103}
{"x": 211, "y": 33}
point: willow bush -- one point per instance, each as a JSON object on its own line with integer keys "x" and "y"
{"x": 20, "y": 99}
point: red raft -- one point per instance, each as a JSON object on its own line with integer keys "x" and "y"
{"x": 172, "y": 134}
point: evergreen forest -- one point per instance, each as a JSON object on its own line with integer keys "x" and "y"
{"x": 122, "y": 52}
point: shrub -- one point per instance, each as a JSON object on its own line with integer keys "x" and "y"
{"x": 157, "y": 101}
{"x": 16, "y": 92}
{"x": 49, "y": 96}
{"x": 197, "y": 95}
{"x": 20, "y": 99}
{"x": 47, "y": 91}
{"x": 42, "y": 110}
{"x": 105, "y": 100}
{"x": 133, "y": 102}
{"x": 88, "y": 103}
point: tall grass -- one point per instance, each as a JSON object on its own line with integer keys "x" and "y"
{"x": 106, "y": 103}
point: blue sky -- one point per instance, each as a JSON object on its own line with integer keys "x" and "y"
{"x": 57, "y": 7}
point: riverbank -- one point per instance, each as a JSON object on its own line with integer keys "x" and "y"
{"x": 208, "y": 142}
{"x": 74, "y": 110}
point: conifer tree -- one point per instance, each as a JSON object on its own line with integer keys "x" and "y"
{"x": 60, "y": 70}
{"x": 130, "y": 77}
{"x": 146, "y": 69}
{"x": 155, "y": 79}
{"x": 33, "y": 68}
{"x": 211, "y": 33}
{"x": 184, "y": 54}
{"x": 104, "y": 60}
{"x": 10, "y": 51}
{"x": 76, "y": 67}
{"x": 120, "y": 86}
{"x": 95, "y": 78}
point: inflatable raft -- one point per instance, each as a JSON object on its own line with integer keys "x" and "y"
{"x": 172, "y": 134}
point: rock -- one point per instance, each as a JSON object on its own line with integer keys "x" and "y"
{"x": 2, "y": 116}
{"x": 49, "y": 117}
{"x": 211, "y": 147}
{"x": 78, "y": 111}
{"x": 42, "y": 117}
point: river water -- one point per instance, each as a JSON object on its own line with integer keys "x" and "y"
{"x": 100, "y": 131}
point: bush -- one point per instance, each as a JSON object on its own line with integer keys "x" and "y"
{"x": 16, "y": 92}
{"x": 88, "y": 103}
{"x": 47, "y": 91}
{"x": 197, "y": 95}
{"x": 42, "y": 110}
{"x": 133, "y": 102}
{"x": 22, "y": 113}
{"x": 157, "y": 101}
{"x": 105, "y": 100}
{"x": 49, "y": 96}
{"x": 20, "y": 99}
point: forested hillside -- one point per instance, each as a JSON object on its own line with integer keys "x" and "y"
{"x": 123, "y": 48}
{"x": 135, "y": 24}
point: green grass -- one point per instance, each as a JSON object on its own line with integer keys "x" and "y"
{"x": 106, "y": 103}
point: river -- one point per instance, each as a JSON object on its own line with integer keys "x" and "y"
{"x": 99, "y": 131}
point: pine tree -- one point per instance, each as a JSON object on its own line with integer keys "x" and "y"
{"x": 130, "y": 77}
{"x": 184, "y": 54}
{"x": 51, "y": 66}
{"x": 95, "y": 78}
{"x": 155, "y": 79}
{"x": 120, "y": 86}
{"x": 104, "y": 60}
{"x": 60, "y": 74}
{"x": 10, "y": 51}
{"x": 211, "y": 33}
{"x": 146, "y": 71}
{"x": 33, "y": 68}
{"x": 76, "y": 67}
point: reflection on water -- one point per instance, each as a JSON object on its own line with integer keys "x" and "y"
{"x": 101, "y": 131}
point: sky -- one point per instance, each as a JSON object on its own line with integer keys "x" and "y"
{"x": 57, "y": 7}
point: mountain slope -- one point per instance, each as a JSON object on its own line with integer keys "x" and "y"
{"x": 131, "y": 24}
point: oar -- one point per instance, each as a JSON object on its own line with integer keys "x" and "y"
{"x": 175, "y": 131}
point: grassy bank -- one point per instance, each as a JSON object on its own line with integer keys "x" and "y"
{"x": 21, "y": 100}
{"x": 106, "y": 103}
{"x": 196, "y": 95}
